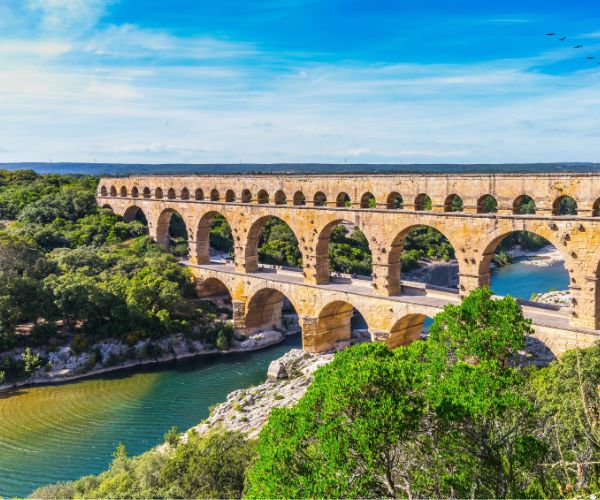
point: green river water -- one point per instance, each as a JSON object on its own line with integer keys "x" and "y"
{"x": 57, "y": 433}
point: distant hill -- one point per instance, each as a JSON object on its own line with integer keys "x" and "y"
{"x": 233, "y": 168}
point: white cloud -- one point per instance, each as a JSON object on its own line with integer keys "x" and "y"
{"x": 67, "y": 15}
{"x": 159, "y": 149}
{"x": 43, "y": 48}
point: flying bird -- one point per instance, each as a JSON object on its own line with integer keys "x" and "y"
{"x": 562, "y": 38}
{"x": 578, "y": 46}
{"x": 550, "y": 34}
{"x": 590, "y": 58}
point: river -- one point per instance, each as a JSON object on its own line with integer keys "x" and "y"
{"x": 62, "y": 432}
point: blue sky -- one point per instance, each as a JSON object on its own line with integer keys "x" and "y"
{"x": 299, "y": 80}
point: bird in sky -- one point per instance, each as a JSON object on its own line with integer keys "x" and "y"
{"x": 550, "y": 34}
{"x": 590, "y": 58}
{"x": 562, "y": 38}
{"x": 578, "y": 46}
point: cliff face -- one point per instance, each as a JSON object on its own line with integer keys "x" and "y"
{"x": 247, "y": 410}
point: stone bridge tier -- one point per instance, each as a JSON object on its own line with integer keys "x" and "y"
{"x": 386, "y": 208}
{"x": 325, "y": 311}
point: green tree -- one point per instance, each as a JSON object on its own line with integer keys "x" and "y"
{"x": 442, "y": 418}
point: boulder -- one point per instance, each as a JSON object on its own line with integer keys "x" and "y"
{"x": 277, "y": 370}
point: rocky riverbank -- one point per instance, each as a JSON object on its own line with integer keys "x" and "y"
{"x": 247, "y": 410}
{"x": 64, "y": 364}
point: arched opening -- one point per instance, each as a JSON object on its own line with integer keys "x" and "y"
{"x": 158, "y": 193}
{"x": 423, "y": 202}
{"x": 343, "y": 252}
{"x": 185, "y": 194}
{"x": 527, "y": 266}
{"x": 422, "y": 254}
{"x": 229, "y": 196}
{"x": 171, "y": 194}
{"x": 146, "y": 192}
{"x": 262, "y": 197}
{"x": 367, "y": 200}
{"x": 596, "y": 208}
{"x": 299, "y": 198}
{"x": 342, "y": 200}
{"x": 320, "y": 200}
{"x": 134, "y": 213}
{"x": 215, "y": 298}
{"x": 564, "y": 205}
{"x": 280, "y": 198}
{"x": 113, "y": 191}
{"x": 106, "y": 206}
{"x": 524, "y": 205}
{"x": 103, "y": 191}
{"x": 214, "y": 195}
{"x": 453, "y": 203}
{"x": 123, "y": 191}
{"x": 487, "y": 204}
{"x": 135, "y": 192}
{"x": 270, "y": 310}
{"x": 394, "y": 201}
{"x": 172, "y": 233}
{"x": 246, "y": 196}
{"x": 338, "y": 322}
{"x": 408, "y": 329}
{"x": 214, "y": 240}
{"x": 272, "y": 242}
{"x": 199, "y": 194}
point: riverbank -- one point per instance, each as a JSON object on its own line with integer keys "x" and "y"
{"x": 64, "y": 365}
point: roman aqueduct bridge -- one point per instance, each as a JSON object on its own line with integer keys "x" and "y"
{"x": 313, "y": 205}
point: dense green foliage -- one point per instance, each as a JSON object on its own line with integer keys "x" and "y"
{"x": 211, "y": 466}
{"x": 444, "y": 418}
{"x": 278, "y": 244}
{"x": 70, "y": 268}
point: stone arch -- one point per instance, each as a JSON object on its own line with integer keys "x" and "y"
{"x": 135, "y": 192}
{"x": 394, "y": 200}
{"x": 123, "y": 191}
{"x": 322, "y": 264}
{"x": 185, "y": 194}
{"x": 106, "y": 206}
{"x": 333, "y": 324}
{"x": 564, "y": 205}
{"x": 264, "y": 310}
{"x": 103, "y": 191}
{"x": 487, "y": 204}
{"x": 212, "y": 287}
{"x": 146, "y": 193}
{"x": 342, "y": 200}
{"x": 251, "y": 256}
{"x": 214, "y": 195}
{"x": 158, "y": 193}
{"x": 367, "y": 200}
{"x": 199, "y": 194}
{"x": 423, "y": 202}
{"x": 299, "y": 198}
{"x": 320, "y": 199}
{"x": 524, "y": 205}
{"x": 406, "y": 330}
{"x": 453, "y": 203}
{"x": 262, "y": 197}
{"x": 596, "y": 208}
{"x": 229, "y": 196}
{"x": 489, "y": 247}
{"x": 113, "y": 191}
{"x": 171, "y": 195}
{"x": 163, "y": 227}
{"x": 202, "y": 254}
{"x": 135, "y": 213}
{"x": 246, "y": 196}
{"x": 280, "y": 198}
{"x": 393, "y": 267}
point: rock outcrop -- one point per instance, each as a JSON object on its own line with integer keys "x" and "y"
{"x": 247, "y": 410}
